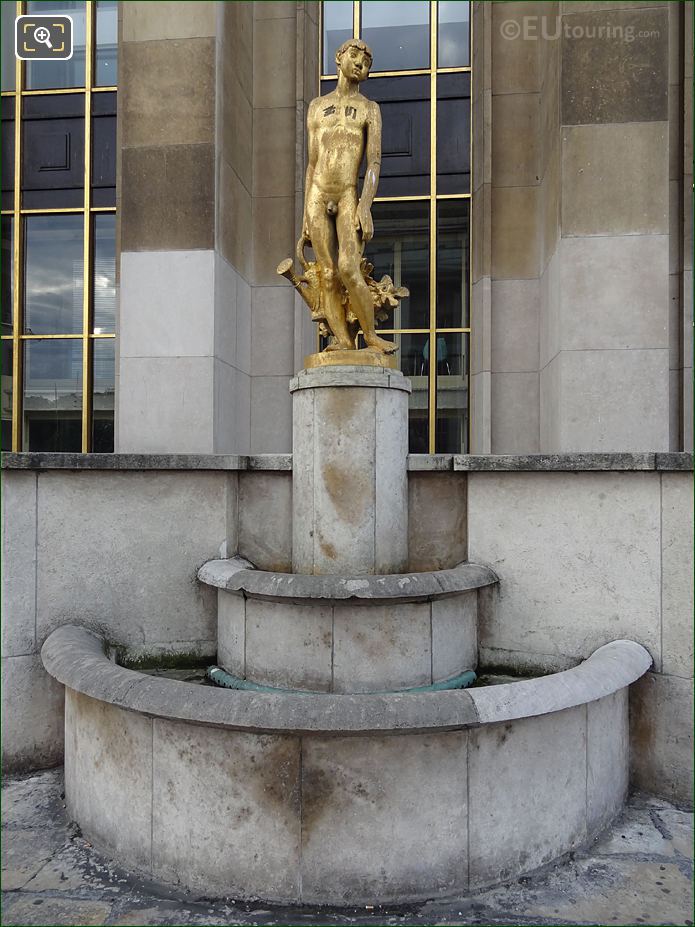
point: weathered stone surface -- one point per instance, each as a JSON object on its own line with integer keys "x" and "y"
{"x": 265, "y": 519}
{"x": 607, "y": 759}
{"x": 454, "y": 635}
{"x": 24, "y": 910}
{"x": 231, "y": 632}
{"x": 24, "y": 853}
{"x": 18, "y": 612}
{"x": 677, "y": 574}
{"x": 108, "y": 776}
{"x": 369, "y": 806}
{"x": 226, "y": 811}
{"x": 561, "y": 462}
{"x": 436, "y": 520}
{"x": 47, "y": 461}
{"x": 529, "y": 809}
{"x": 32, "y": 712}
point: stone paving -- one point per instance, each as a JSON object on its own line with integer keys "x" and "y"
{"x": 639, "y": 872}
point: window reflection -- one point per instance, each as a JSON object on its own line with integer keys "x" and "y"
{"x": 7, "y": 274}
{"x": 337, "y": 28}
{"x": 453, "y": 36}
{"x": 103, "y": 396}
{"x": 104, "y": 280}
{"x": 7, "y": 59}
{"x": 106, "y": 74}
{"x": 6, "y": 384}
{"x": 397, "y": 33}
{"x": 47, "y": 75}
{"x": 453, "y": 264}
{"x": 400, "y": 248}
{"x": 451, "y": 427}
{"x": 53, "y": 395}
{"x": 53, "y": 281}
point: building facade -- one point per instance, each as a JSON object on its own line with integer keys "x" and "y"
{"x": 536, "y": 199}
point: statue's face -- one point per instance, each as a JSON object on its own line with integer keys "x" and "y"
{"x": 354, "y": 63}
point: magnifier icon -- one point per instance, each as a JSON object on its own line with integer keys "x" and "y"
{"x": 42, "y": 35}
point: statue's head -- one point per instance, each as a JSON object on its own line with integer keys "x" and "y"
{"x": 354, "y": 59}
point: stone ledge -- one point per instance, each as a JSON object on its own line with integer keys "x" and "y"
{"x": 468, "y": 463}
{"x": 237, "y": 575}
{"x": 76, "y": 658}
{"x": 352, "y": 376}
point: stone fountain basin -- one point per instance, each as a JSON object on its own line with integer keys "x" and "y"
{"x": 334, "y": 633}
{"x": 341, "y": 799}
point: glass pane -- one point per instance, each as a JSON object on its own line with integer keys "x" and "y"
{"x": 337, "y": 28}
{"x": 405, "y": 146}
{"x": 107, "y": 44}
{"x": 8, "y": 58}
{"x": 6, "y": 399}
{"x": 103, "y": 395}
{"x": 53, "y": 396}
{"x": 7, "y": 167}
{"x": 7, "y": 274}
{"x": 104, "y": 292}
{"x": 53, "y": 283}
{"x": 104, "y": 149}
{"x": 452, "y": 394}
{"x": 53, "y": 151}
{"x": 453, "y": 132}
{"x": 453, "y": 36}
{"x": 397, "y": 34}
{"x": 453, "y": 264}
{"x": 51, "y": 75}
{"x": 400, "y": 248}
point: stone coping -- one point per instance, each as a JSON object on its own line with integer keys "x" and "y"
{"x": 353, "y": 376}
{"x": 416, "y": 462}
{"x": 76, "y": 657}
{"x": 238, "y": 575}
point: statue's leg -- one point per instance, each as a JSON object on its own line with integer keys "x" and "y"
{"x": 349, "y": 259}
{"x": 324, "y": 243}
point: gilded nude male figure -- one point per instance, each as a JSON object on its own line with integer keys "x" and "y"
{"x": 342, "y": 127}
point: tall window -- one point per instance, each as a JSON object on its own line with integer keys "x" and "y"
{"x": 421, "y": 78}
{"x": 59, "y": 235}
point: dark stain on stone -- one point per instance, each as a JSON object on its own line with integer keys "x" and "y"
{"x": 317, "y": 788}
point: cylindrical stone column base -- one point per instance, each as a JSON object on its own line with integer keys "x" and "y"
{"x": 349, "y": 476}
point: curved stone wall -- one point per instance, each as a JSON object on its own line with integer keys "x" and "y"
{"x": 341, "y": 799}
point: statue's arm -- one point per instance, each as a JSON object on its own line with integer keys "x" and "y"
{"x": 363, "y": 218}
{"x": 311, "y": 165}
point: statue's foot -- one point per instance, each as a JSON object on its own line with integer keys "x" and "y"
{"x": 380, "y": 344}
{"x": 340, "y": 346}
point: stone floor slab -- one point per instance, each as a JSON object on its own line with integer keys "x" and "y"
{"x": 29, "y": 909}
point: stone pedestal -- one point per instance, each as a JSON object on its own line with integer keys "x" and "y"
{"x": 349, "y": 476}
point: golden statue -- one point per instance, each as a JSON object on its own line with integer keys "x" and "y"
{"x": 338, "y": 287}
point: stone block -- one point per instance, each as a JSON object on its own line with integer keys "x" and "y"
{"x": 481, "y": 323}
{"x": 243, "y": 326}
{"x": 247, "y": 846}
{"x": 225, "y": 321}
{"x": 166, "y": 405}
{"x": 661, "y": 737}
{"x": 168, "y": 92}
{"x": 231, "y": 632}
{"x": 550, "y": 206}
{"x": 615, "y": 179}
{"x": 19, "y": 563}
{"x": 167, "y": 198}
{"x": 677, "y": 573}
{"x": 32, "y": 715}
{"x": 454, "y": 635}
{"x": 610, "y": 79}
{"x": 390, "y": 482}
{"x": 22, "y": 909}
{"x": 274, "y": 150}
{"x": 381, "y": 647}
{"x": 436, "y": 521}
{"x": 612, "y": 400}
{"x": 507, "y": 820}
{"x": 614, "y": 294}
{"x": 271, "y": 415}
{"x": 515, "y": 413}
{"x": 108, "y": 776}
{"x": 232, "y": 413}
{"x": 265, "y": 520}
{"x": 234, "y": 208}
{"x": 237, "y": 40}
{"x": 272, "y": 331}
{"x": 131, "y": 543}
{"x": 515, "y": 139}
{"x": 167, "y": 304}
{"x": 289, "y": 646}
{"x": 279, "y": 9}
{"x": 167, "y": 19}
{"x": 370, "y": 805}
{"x": 480, "y": 392}
{"x": 274, "y": 82}
{"x": 515, "y": 244}
{"x": 577, "y": 556}
{"x": 236, "y": 124}
{"x": 515, "y": 319}
{"x": 273, "y": 234}
{"x": 608, "y": 759}
{"x": 515, "y": 61}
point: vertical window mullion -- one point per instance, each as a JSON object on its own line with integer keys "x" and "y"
{"x": 432, "y": 402}
{"x": 90, "y": 26}
{"x": 17, "y": 365}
